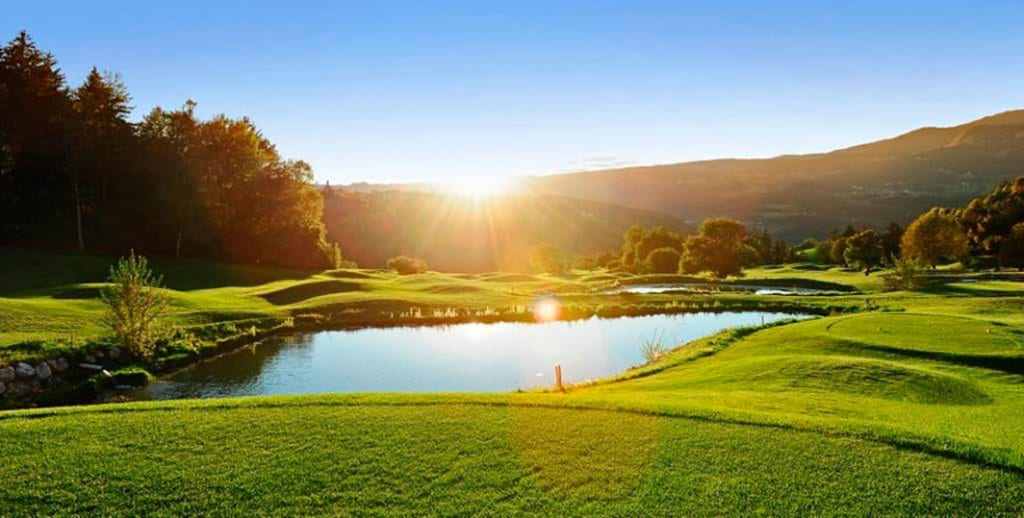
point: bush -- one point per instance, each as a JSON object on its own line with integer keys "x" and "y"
{"x": 405, "y": 265}
{"x": 653, "y": 348}
{"x": 904, "y": 274}
{"x": 135, "y": 304}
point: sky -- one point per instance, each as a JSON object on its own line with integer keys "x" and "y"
{"x": 439, "y": 91}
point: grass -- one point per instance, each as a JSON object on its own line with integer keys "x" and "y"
{"x": 48, "y": 302}
{"x": 913, "y": 408}
{"x": 459, "y": 455}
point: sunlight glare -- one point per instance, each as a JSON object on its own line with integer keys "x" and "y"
{"x": 547, "y": 310}
{"x": 482, "y": 187}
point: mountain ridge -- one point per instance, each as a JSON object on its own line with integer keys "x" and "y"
{"x": 803, "y": 195}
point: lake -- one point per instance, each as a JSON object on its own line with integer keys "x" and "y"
{"x": 687, "y": 287}
{"x": 458, "y": 358}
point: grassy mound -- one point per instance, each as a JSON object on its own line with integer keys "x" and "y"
{"x": 309, "y": 290}
{"x": 850, "y": 376}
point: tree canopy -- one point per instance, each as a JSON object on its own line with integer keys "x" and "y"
{"x": 715, "y": 249}
{"x": 933, "y": 237}
{"x": 864, "y": 250}
{"x": 74, "y": 172}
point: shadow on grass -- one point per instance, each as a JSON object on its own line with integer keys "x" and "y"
{"x": 301, "y": 292}
{"x": 1007, "y": 364}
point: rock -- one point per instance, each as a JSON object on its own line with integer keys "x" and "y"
{"x": 20, "y": 388}
{"x": 24, "y": 370}
{"x": 7, "y": 373}
{"x": 90, "y": 358}
{"x": 60, "y": 365}
{"x": 3, "y": 388}
{"x": 43, "y": 371}
{"x": 115, "y": 352}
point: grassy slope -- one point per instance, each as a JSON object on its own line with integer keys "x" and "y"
{"x": 915, "y": 410}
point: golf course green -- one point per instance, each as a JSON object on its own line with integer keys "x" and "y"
{"x": 891, "y": 403}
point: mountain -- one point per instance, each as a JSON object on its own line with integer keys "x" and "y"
{"x": 458, "y": 233}
{"x": 807, "y": 195}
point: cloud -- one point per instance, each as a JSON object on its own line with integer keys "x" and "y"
{"x": 598, "y": 162}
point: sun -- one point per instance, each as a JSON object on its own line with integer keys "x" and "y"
{"x": 480, "y": 187}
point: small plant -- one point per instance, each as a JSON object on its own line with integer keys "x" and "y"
{"x": 135, "y": 304}
{"x": 904, "y": 274}
{"x": 654, "y": 347}
{"x": 407, "y": 265}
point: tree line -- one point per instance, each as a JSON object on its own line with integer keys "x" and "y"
{"x": 75, "y": 173}
{"x": 720, "y": 247}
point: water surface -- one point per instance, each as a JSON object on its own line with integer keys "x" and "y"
{"x": 695, "y": 287}
{"x": 458, "y": 358}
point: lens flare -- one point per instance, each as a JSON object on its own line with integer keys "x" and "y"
{"x": 547, "y": 310}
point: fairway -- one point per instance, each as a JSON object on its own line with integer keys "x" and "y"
{"x": 341, "y": 455}
{"x": 911, "y": 407}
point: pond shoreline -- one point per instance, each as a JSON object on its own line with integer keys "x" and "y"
{"x": 463, "y": 357}
{"x": 87, "y": 387}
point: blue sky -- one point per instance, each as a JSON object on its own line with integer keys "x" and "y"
{"x": 389, "y": 91}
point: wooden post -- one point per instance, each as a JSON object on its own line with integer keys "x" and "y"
{"x": 558, "y": 378}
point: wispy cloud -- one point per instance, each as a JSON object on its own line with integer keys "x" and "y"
{"x": 597, "y": 162}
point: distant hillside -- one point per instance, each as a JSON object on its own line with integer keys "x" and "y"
{"x": 802, "y": 195}
{"x": 454, "y": 233}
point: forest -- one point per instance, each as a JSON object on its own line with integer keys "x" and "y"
{"x": 76, "y": 174}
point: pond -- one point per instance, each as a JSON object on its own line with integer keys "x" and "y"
{"x": 694, "y": 287}
{"x": 458, "y": 358}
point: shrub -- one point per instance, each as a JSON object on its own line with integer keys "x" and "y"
{"x": 654, "y": 347}
{"x": 904, "y": 274}
{"x": 135, "y": 303}
{"x": 405, "y": 265}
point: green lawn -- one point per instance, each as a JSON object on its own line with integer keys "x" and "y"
{"x": 914, "y": 408}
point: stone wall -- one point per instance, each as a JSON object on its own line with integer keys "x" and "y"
{"x": 20, "y": 380}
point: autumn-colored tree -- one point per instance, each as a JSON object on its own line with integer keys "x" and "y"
{"x": 933, "y": 237}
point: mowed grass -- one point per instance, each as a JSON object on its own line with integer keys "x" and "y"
{"x": 447, "y": 455}
{"x": 55, "y": 297}
{"x": 52, "y": 297}
{"x": 915, "y": 408}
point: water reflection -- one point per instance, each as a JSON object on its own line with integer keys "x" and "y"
{"x": 464, "y": 357}
{"x": 687, "y": 287}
